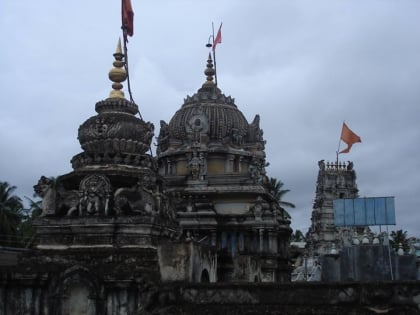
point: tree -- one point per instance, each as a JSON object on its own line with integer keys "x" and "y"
{"x": 26, "y": 231}
{"x": 298, "y": 236}
{"x": 399, "y": 237}
{"x": 11, "y": 215}
{"x": 275, "y": 187}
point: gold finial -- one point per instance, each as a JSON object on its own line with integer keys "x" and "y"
{"x": 118, "y": 73}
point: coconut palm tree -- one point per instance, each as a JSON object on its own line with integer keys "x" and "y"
{"x": 10, "y": 215}
{"x": 26, "y": 230}
{"x": 275, "y": 187}
{"x": 399, "y": 237}
{"x": 298, "y": 236}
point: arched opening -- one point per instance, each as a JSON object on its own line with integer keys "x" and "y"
{"x": 78, "y": 302}
{"x": 205, "y": 277}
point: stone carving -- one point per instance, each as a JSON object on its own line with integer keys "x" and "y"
{"x": 257, "y": 171}
{"x": 55, "y": 199}
{"x": 259, "y": 207}
{"x": 255, "y": 133}
{"x": 197, "y": 166}
{"x": 150, "y": 131}
{"x": 197, "y": 125}
{"x": 46, "y": 190}
{"x": 321, "y": 165}
{"x": 238, "y": 136}
{"x": 104, "y": 128}
{"x": 163, "y": 138}
{"x": 318, "y": 203}
{"x": 95, "y": 194}
{"x": 137, "y": 199}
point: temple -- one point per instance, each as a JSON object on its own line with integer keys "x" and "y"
{"x": 195, "y": 229}
{"x": 212, "y": 160}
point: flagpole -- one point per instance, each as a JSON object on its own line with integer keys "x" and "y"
{"x": 125, "y": 34}
{"x": 339, "y": 142}
{"x": 126, "y": 68}
{"x": 214, "y": 56}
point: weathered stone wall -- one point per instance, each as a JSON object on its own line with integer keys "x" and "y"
{"x": 20, "y": 295}
{"x": 297, "y": 298}
{"x": 187, "y": 261}
{"x": 368, "y": 263}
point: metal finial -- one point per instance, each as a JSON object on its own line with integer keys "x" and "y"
{"x": 209, "y": 72}
{"x": 118, "y": 73}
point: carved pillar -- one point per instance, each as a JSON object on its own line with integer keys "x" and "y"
{"x": 229, "y": 163}
{"x": 213, "y": 238}
{"x": 261, "y": 234}
{"x": 272, "y": 242}
{"x": 240, "y": 159}
{"x": 170, "y": 167}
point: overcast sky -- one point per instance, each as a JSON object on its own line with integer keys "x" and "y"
{"x": 304, "y": 66}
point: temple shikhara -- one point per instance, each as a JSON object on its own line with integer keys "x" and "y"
{"x": 193, "y": 229}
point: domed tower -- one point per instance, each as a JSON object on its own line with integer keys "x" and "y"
{"x": 113, "y": 194}
{"x": 213, "y": 164}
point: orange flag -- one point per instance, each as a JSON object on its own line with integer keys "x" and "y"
{"x": 349, "y": 137}
{"x": 127, "y": 14}
{"x": 218, "y": 39}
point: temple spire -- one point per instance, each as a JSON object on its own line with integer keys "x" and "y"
{"x": 118, "y": 73}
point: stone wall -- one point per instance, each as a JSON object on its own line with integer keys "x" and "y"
{"x": 20, "y": 295}
{"x": 297, "y": 298}
{"x": 368, "y": 263}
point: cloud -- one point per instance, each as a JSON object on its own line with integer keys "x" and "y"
{"x": 304, "y": 66}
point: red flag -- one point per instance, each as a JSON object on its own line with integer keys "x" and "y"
{"x": 349, "y": 137}
{"x": 127, "y": 14}
{"x": 218, "y": 39}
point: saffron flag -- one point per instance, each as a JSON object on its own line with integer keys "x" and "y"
{"x": 127, "y": 14}
{"x": 349, "y": 137}
{"x": 218, "y": 39}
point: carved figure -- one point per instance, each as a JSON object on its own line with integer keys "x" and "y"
{"x": 163, "y": 138}
{"x": 255, "y": 170}
{"x": 136, "y": 199}
{"x": 94, "y": 191}
{"x": 321, "y": 165}
{"x": 255, "y": 133}
{"x": 318, "y": 203}
{"x": 46, "y": 190}
{"x": 203, "y": 165}
{"x": 55, "y": 199}
{"x": 196, "y": 166}
{"x": 149, "y": 133}
{"x": 196, "y": 126}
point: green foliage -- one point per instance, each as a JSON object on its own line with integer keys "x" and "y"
{"x": 26, "y": 229}
{"x": 275, "y": 188}
{"x": 15, "y": 221}
{"x": 399, "y": 237}
{"x": 11, "y": 215}
{"x": 298, "y": 236}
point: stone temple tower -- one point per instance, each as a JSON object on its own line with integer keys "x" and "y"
{"x": 213, "y": 164}
{"x": 95, "y": 248}
{"x": 335, "y": 180}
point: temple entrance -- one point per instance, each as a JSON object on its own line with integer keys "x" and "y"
{"x": 78, "y": 302}
{"x": 205, "y": 278}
